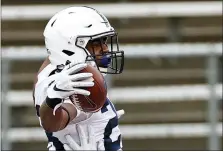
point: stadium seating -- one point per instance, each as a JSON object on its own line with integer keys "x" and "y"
{"x": 139, "y": 72}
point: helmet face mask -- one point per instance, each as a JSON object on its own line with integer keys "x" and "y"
{"x": 104, "y": 51}
{"x": 82, "y": 34}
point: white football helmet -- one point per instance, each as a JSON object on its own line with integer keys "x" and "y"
{"x": 69, "y": 31}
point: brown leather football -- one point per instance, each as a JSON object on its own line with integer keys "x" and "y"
{"x": 97, "y": 98}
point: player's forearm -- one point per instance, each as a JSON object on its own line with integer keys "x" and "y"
{"x": 62, "y": 116}
{"x": 50, "y": 122}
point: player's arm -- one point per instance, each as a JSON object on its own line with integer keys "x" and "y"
{"x": 55, "y": 114}
{"x": 63, "y": 115}
{"x": 46, "y": 112}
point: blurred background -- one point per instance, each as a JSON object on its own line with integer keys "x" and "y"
{"x": 171, "y": 88}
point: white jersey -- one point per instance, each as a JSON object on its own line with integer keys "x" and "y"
{"x": 104, "y": 122}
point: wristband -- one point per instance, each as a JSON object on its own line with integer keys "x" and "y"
{"x": 52, "y": 102}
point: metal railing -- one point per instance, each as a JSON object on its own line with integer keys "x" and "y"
{"x": 122, "y": 10}
{"x": 210, "y": 92}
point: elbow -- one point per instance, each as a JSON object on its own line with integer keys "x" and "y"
{"x": 49, "y": 127}
{"x": 49, "y": 122}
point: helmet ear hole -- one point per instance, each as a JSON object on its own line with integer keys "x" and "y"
{"x": 67, "y": 52}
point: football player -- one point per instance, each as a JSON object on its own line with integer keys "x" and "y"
{"x": 75, "y": 37}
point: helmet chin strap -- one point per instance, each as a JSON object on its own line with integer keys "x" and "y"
{"x": 104, "y": 70}
{"x": 104, "y": 63}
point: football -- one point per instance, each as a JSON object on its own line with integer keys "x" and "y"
{"x": 97, "y": 98}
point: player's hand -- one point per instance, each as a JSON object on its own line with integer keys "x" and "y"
{"x": 120, "y": 113}
{"x": 68, "y": 82}
{"x": 87, "y": 141}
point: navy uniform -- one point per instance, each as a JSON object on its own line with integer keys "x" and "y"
{"x": 104, "y": 122}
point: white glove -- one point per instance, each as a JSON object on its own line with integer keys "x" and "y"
{"x": 120, "y": 113}
{"x": 68, "y": 83}
{"x": 87, "y": 142}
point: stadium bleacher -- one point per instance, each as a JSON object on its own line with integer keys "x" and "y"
{"x": 144, "y": 72}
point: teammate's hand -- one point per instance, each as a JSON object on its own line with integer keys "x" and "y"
{"x": 87, "y": 142}
{"x": 68, "y": 82}
{"x": 120, "y": 113}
